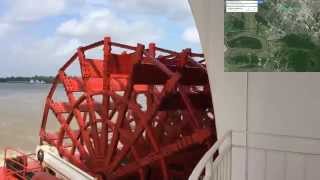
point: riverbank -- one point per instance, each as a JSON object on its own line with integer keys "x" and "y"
{"x": 22, "y": 79}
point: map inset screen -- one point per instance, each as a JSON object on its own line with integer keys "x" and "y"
{"x": 272, "y": 35}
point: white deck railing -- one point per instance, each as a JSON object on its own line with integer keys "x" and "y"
{"x": 216, "y": 164}
{"x": 219, "y": 168}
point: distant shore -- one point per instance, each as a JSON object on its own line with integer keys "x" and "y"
{"x": 32, "y": 80}
{"x": 23, "y": 82}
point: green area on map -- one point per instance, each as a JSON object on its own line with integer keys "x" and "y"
{"x": 283, "y": 36}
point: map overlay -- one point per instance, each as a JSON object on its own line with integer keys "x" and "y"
{"x": 282, "y": 36}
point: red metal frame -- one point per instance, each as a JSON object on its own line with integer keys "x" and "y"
{"x": 17, "y": 164}
{"x": 117, "y": 137}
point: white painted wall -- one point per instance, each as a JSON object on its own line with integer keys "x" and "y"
{"x": 279, "y": 111}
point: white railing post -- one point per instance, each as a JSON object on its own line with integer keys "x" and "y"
{"x": 208, "y": 171}
{"x": 230, "y": 161}
{"x": 217, "y": 168}
{"x": 220, "y": 167}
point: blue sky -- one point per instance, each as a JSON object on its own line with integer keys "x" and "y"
{"x": 37, "y": 36}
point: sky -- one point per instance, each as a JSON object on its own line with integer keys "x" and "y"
{"x": 38, "y": 36}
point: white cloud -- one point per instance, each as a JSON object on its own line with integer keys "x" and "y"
{"x": 31, "y": 49}
{"x": 19, "y": 13}
{"x": 28, "y": 57}
{"x": 4, "y": 29}
{"x": 99, "y": 23}
{"x": 32, "y": 10}
{"x": 191, "y": 35}
{"x": 66, "y": 48}
{"x": 175, "y": 9}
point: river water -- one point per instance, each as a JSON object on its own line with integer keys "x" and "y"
{"x": 21, "y": 107}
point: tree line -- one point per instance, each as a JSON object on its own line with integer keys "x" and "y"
{"x": 45, "y": 79}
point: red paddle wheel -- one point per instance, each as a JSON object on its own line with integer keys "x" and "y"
{"x": 138, "y": 114}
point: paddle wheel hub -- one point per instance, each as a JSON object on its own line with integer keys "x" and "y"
{"x": 135, "y": 113}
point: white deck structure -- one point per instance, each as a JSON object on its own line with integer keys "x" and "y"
{"x": 274, "y": 117}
